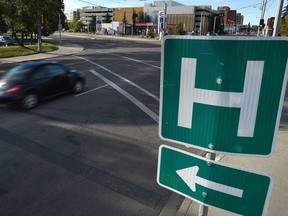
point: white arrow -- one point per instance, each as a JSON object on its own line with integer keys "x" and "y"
{"x": 189, "y": 176}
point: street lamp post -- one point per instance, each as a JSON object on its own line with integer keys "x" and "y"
{"x": 262, "y": 18}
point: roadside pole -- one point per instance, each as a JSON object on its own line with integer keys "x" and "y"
{"x": 165, "y": 19}
{"x": 277, "y": 18}
{"x": 203, "y": 210}
{"x": 39, "y": 30}
{"x": 262, "y": 17}
{"x": 59, "y": 29}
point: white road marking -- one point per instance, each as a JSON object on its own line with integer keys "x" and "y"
{"x": 74, "y": 63}
{"x": 144, "y": 108}
{"x": 77, "y": 95}
{"x": 136, "y": 60}
{"x": 123, "y": 78}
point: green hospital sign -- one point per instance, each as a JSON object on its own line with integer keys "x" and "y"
{"x": 223, "y": 94}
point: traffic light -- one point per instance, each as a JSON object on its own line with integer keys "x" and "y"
{"x": 261, "y": 24}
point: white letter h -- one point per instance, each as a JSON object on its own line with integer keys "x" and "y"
{"x": 247, "y": 101}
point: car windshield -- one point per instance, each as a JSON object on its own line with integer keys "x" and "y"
{"x": 7, "y": 38}
{"x": 17, "y": 73}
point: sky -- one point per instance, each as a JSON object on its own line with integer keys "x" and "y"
{"x": 250, "y": 9}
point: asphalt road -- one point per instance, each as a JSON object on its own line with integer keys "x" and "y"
{"x": 89, "y": 154}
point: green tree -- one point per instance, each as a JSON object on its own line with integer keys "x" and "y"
{"x": 179, "y": 29}
{"x": 79, "y": 25}
{"x": 150, "y": 33}
{"x": 23, "y": 15}
{"x": 248, "y": 28}
{"x": 70, "y": 25}
{"x": 51, "y": 10}
{"x": 134, "y": 16}
{"x": 141, "y": 16}
{"x": 283, "y": 31}
{"x": 92, "y": 24}
{"x": 147, "y": 18}
{"x": 3, "y": 26}
{"x": 124, "y": 20}
{"x": 285, "y": 11}
{"x": 9, "y": 13}
{"x": 108, "y": 18}
{"x": 254, "y": 28}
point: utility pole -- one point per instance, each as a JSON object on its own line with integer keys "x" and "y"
{"x": 59, "y": 28}
{"x": 165, "y": 18}
{"x": 39, "y": 30}
{"x": 277, "y": 18}
{"x": 262, "y": 16}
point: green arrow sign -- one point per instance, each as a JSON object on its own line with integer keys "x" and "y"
{"x": 212, "y": 183}
{"x": 223, "y": 94}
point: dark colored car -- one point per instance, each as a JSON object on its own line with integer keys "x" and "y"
{"x": 6, "y": 41}
{"x": 27, "y": 84}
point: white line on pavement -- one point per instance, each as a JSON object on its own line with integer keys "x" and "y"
{"x": 136, "y": 60}
{"x": 74, "y": 63}
{"x": 123, "y": 78}
{"x": 77, "y": 95}
{"x": 145, "y": 109}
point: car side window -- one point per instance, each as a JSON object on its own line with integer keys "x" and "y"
{"x": 40, "y": 74}
{"x": 56, "y": 70}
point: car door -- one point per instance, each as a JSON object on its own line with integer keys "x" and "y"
{"x": 42, "y": 82}
{"x": 60, "y": 79}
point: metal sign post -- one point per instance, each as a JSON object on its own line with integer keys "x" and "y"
{"x": 203, "y": 210}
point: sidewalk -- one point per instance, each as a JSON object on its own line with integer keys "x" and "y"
{"x": 64, "y": 49}
{"x": 276, "y": 166}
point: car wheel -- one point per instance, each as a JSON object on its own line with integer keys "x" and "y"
{"x": 78, "y": 86}
{"x": 29, "y": 101}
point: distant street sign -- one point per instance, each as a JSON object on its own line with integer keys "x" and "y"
{"x": 213, "y": 184}
{"x": 98, "y": 23}
{"x": 223, "y": 94}
{"x": 98, "y": 19}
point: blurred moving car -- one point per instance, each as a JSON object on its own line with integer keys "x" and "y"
{"x": 27, "y": 84}
{"x": 6, "y": 40}
{"x": 212, "y": 34}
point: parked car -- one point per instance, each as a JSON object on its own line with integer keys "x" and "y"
{"x": 29, "y": 83}
{"x": 212, "y": 34}
{"x": 6, "y": 40}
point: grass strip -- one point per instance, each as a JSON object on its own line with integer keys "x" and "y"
{"x": 14, "y": 51}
